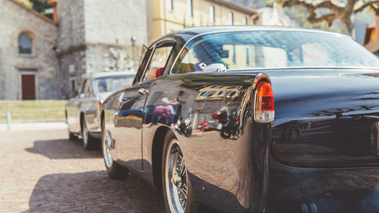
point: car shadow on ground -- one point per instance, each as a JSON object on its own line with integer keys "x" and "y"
{"x": 63, "y": 149}
{"x": 90, "y": 191}
{"x": 93, "y": 192}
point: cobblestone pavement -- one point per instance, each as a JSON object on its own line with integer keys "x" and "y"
{"x": 42, "y": 171}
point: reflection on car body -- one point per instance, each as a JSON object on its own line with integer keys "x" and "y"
{"x": 229, "y": 146}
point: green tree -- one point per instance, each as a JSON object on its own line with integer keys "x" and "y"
{"x": 39, "y": 5}
{"x": 300, "y": 16}
{"x": 342, "y": 10}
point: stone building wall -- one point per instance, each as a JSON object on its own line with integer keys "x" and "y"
{"x": 71, "y": 25}
{"x": 14, "y": 20}
{"x": 102, "y": 57}
{"x": 71, "y": 45}
{"x": 95, "y": 36}
{"x": 72, "y": 68}
{"x": 112, "y": 24}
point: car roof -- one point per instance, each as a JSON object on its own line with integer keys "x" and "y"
{"x": 188, "y": 33}
{"x": 108, "y": 74}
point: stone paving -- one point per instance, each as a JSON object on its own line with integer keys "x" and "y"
{"x": 42, "y": 171}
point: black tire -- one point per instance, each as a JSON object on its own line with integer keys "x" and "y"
{"x": 225, "y": 134}
{"x": 188, "y": 132}
{"x": 71, "y": 136}
{"x": 172, "y": 157}
{"x": 374, "y": 139}
{"x": 114, "y": 170}
{"x": 89, "y": 142}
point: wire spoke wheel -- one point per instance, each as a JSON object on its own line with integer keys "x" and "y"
{"x": 114, "y": 170}
{"x": 176, "y": 178}
{"x": 85, "y": 135}
{"x": 106, "y": 144}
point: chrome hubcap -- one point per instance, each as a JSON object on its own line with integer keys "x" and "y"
{"x": 85, "y": 136}
{"x": 176, "y": 178}
{"x": 106, "y": 144}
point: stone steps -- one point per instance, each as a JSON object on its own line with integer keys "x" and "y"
{"x": 33, "y": 110}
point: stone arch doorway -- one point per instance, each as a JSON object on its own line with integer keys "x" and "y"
{"x": 28, "y": 84}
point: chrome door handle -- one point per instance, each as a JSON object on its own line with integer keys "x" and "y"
{"x": 143, "y": 91}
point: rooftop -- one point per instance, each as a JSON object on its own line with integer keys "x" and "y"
{"x": 214, "y": 29}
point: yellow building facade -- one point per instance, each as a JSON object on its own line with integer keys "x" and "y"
{"x": 172, "y": 15}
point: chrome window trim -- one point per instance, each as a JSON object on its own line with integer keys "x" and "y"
{"x": 250, "y": 30}
{"x": 153, "y": 47}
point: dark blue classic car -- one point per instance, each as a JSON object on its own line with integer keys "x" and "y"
{"x": 250, "y": 119}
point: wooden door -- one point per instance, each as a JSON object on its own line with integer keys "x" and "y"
{"x": 28, "y": 87}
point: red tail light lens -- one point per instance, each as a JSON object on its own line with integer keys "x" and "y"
{"x": 264, "y": 103}
{"x": 100, "y": 103}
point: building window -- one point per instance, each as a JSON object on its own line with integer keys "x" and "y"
{"x": 25, "y": 44}
{"x": 247, "y": 57}
{"x": 170, "y": 5}
{"x": 234, "y": 55}
{"x": 212, "y": 14}
{"x": 190, "y": 8}
{"x": 231, "y": 18}
{"x": 245, "y": 21}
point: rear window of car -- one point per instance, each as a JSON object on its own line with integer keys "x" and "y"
{"x": 111, "y": 84}
{"x": 272, "y": 49}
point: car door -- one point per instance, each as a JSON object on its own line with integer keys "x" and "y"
{"x": 74, "y": 109}
{"x": 89, "y": 106}
{"x": 129, "y": 117}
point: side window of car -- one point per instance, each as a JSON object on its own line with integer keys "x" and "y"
{"x": 196, "y": 57}
{"x": 157, "y": 63}
{"x": 193, "y": 59}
